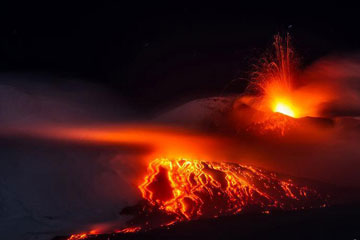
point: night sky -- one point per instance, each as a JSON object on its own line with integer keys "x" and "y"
{"x": 155, "y": 55}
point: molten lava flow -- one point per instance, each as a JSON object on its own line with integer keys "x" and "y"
{"x": 190, "y": 189}
{"x": 78, "y": 236}
{"x": 176, "y": 190}
{"x": 93, "y": 233}
{"x": 129, "y": 230}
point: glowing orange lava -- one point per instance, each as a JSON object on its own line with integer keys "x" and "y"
{"x": 78, "y": 236}
{"x": 93, "y": 233}
{"x": 190, "y": 189}
{"x": 284, "y": 108}
{"x": 278, "y": 88}
{"x": 129, "y": 230}
{"x": 276, "y": 80}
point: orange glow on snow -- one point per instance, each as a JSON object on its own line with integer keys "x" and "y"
{"x": 157, "y": 140}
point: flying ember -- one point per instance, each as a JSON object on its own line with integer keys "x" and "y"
{"x": 275, "y": 79}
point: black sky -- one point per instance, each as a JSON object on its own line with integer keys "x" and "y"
{"x": 156, "y": 54}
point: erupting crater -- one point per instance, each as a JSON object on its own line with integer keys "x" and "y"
{"x": 285, "y": 109}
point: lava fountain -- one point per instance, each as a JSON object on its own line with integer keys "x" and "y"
{"x": 278, "y": 93}
{"x": 275, "y": 77}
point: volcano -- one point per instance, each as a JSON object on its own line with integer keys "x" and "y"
{"x": 243, "y": 158}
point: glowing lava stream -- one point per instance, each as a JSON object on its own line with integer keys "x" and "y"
{"x": 190, "y": 189}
